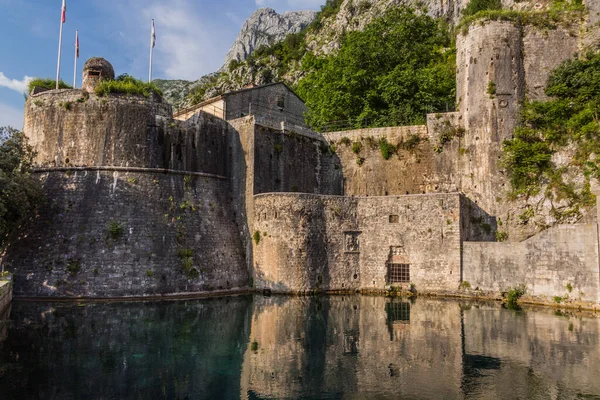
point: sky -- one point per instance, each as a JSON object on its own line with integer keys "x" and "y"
{"x": 192, "y": 39}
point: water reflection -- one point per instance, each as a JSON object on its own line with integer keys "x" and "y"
{"x": 295, "y": 347}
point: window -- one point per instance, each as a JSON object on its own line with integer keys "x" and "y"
{"x": 394, "y": 219}
{"x": 281, "y": 103}
{"x": 398, "y": 273}
{"x": 398, "y": 312}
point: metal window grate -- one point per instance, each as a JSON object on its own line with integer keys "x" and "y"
{"x": 398, "y": 312}
{"x": 398, "y": 273}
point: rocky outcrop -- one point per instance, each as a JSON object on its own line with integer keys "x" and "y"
{"x": 264, "y": 28}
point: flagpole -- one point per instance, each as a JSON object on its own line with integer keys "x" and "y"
{"x": 151, "y": 51}
{"x": 59, "y": 49}
{"x": 75, "y": 69}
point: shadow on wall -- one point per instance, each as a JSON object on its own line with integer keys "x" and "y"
{"x": 477, "y": 224}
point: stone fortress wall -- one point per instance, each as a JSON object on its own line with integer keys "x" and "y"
{"x": 208, "y": 204}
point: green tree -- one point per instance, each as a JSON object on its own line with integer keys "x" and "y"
{"x": 392, "y": 73}
{"x": 19, "y": 192}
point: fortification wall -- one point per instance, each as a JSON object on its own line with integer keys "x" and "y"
{"x": 198, "y": 144}
{"x": 265, "y": 159}
{"x": 69, "y": 129}
{"x": 337, "y": 243}
{"x": 177, "y": 235}
{"x": 415, "y": 169}
{"x": 547, "y": 263}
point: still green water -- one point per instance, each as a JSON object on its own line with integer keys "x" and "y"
{"x": 253, "y": 347}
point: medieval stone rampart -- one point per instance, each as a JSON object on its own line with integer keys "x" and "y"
{"x": 562, "y": 261}
{"x": 119, "y": 234}
{"x": 312, "y": 242}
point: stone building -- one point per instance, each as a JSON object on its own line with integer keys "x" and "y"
{"x": 274, "y": 101}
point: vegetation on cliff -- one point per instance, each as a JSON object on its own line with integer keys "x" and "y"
{"x": 558, "y": 13}
{"x": 126, "y": 84}
{"x": 375, "y": 82}
{"x": 46, "y": 83}
{"x": 569, "y": 123}
{"x": 19, "y": 192}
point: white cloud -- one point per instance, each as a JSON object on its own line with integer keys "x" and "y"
{"x": 10, "y": 116}
{"x": 188, "y": 44}
{"x": 14, "y": 84}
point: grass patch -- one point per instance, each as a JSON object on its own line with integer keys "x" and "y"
{"x": 256, "y": 237}
{"x": 513, "y": 295}
{"x": 114, "y": 229}
{"x": 126, "y": 84}
{"x": 357, "y": 147}
{"x": 47, "y": 83}
{"x": 465, "y": 285}
{"x": 73, "y": 266}
{"x": 387, "y": 149}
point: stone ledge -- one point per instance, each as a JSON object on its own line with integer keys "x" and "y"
{"x": 130, "y": 169}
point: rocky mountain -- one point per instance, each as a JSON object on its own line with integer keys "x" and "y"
{"x": 264, "y": 28}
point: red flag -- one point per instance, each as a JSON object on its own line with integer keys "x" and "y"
{"x": 64, "y": 11}
{"x": 77, "y": 44}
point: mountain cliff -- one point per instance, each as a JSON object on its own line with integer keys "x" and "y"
{"x": 264, "y": 28}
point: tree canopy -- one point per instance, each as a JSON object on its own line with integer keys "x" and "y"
{"x": 395, "y": 71}
{"x": 19, "y": 192}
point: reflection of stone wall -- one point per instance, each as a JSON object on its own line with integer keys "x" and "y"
{"x": 321, "y": 346}
{"x": 337, "y": 243}
{"x": 535, "y": 350}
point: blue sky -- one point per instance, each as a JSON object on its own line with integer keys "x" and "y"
{"x": 193, "y": 37}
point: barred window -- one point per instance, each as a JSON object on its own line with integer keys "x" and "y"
{"x": 398, "y": 273}
{"x": 397, "y": 312}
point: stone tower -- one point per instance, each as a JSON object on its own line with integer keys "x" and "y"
{"x": 95, "y": 70}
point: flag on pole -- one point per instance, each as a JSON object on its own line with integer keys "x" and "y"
{"x": 153, "y": 35}
{"x": 77, "y": 44}
{"x": 64, "y": 11}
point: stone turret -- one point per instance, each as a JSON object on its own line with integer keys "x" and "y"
{"x": 95, "y": 70}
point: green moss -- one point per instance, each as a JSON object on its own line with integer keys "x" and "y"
{"x": 357, "y": 147}
{"x": 491, "y": 89}
{"x": 254, "y": 346}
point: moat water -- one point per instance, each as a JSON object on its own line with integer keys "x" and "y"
{"x": 253, "y": 347}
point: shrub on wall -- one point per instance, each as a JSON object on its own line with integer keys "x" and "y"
{"x": 46, "y": 83}
{"x": 569, "y": 120}
{"x": 126, "y": 84}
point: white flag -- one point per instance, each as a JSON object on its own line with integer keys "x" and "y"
{"x": 153, "y": 35}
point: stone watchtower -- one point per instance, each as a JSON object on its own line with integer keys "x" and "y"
{"x": 96, "y": 70}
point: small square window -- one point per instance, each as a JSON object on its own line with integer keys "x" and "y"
{"x": 398, "y": 273}
{"x": 394, "y": 219}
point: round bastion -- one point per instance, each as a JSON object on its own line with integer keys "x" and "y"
{"x": 96, "y": 70}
